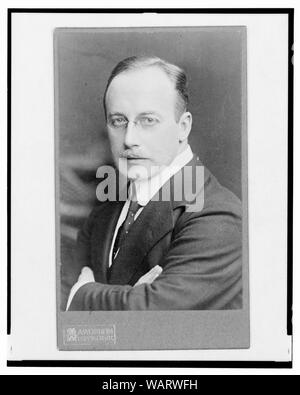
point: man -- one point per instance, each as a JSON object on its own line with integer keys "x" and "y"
{"x": 150, "y": 253}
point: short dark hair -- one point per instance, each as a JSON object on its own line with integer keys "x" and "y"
{"x": 176, "y": 75}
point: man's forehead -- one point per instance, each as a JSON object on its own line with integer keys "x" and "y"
{"x": 151, "y": 80}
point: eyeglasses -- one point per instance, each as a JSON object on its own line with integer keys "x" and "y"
{"x": 144, "y": 122}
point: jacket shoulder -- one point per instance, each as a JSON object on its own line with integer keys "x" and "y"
{"x": 215, "y": 198}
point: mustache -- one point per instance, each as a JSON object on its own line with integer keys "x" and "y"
{"x": 131, "y": 155}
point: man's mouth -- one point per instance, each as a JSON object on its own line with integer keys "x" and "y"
{"x": 133, "y": 157}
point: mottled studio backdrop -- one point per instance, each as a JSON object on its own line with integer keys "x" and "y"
{"x": 84, "y": 58}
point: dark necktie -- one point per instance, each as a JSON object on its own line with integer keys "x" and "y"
{"x": 125, "y": 227}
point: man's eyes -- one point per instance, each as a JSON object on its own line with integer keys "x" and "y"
{"x": 143, "y": 122}
{"x": 118, "y": 122}
{"x": 148, "y": 121}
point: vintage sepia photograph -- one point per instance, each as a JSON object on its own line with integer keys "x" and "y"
{"x": 151, "y": 177}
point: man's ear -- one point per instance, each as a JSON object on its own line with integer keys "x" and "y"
{"x": 185, "y": 124}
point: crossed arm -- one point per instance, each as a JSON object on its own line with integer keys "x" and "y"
{"x": 87, "y": 276}
{"x": 202, "y": 270}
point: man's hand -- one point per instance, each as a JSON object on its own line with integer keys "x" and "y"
{"x": 86, "y": 276}
{"x": 150, "y": 276}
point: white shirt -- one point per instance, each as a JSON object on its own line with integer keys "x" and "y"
{"x": 145, "y": 190}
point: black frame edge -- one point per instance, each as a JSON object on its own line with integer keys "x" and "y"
{"x": 290, "y": 172}
{"x": 155, "y": 364}
{"x": 184, "y": 364}
{"x": 8, "y": 327}
{"x": 155, "y": 10}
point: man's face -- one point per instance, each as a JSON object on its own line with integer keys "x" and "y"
{"x": 141, "y": 124}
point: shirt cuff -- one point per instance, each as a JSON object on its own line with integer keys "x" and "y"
{"x": 85, "y": 277}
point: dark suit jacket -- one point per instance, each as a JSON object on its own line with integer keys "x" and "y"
{"x": 200, "y": 253}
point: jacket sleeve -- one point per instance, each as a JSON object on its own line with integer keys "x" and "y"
{"x": 202, "y": 270}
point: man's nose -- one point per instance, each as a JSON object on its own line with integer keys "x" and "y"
{"x": 131, "y": 134}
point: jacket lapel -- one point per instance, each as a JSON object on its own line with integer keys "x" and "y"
{"x": 154, "y": 222}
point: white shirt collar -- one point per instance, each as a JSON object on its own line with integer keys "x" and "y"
{"x": 146, "y": 189}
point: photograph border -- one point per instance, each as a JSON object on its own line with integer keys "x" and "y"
{"x": 162, "y": 363}
{"x": 223, "y": 324}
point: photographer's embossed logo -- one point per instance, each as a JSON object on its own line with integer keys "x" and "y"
{"x": 89, "y": 334}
